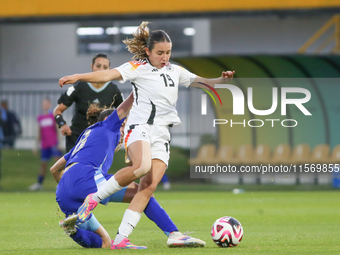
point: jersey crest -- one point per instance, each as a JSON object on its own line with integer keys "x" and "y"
{"x": 170, "y": 68}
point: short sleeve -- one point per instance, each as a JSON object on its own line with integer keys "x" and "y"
{"x": 68, "y": 155}
{"x": 113, "y": 122}
{"x": 185, "y": 77}
{"x": 128, "y": 71}
{"x": 69, "y": 96}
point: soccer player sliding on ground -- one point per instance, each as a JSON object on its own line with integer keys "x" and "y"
{"x": 86, "y": 170}
{"x": 147, "y": 139}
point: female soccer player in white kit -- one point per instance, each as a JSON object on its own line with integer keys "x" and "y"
{"x": 155, "y": 87}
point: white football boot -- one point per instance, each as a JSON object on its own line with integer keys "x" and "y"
{"x": 69, "y": 224}
{"x": 35, "y": 187}
{"x": 177, "y": 239}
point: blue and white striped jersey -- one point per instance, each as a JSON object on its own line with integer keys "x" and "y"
{"x": 96, "y": 145}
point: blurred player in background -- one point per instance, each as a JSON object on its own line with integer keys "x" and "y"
{"x": 1, "y": 138}
{"x": 166, "y": 182}
{"x": 11, "y": 126}
{"x": 155, "y": 85}
{"x": 47, "y": 141}
{"x": 87, "y": 166}
{"x": 83, "y": 94}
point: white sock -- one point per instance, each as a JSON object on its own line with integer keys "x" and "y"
{"x": 129, "y": 222}
{"x": 110, "y": 187}
{"x": 119, "y": 238}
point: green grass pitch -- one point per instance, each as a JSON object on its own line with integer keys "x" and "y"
{"x": 274, "y": 222}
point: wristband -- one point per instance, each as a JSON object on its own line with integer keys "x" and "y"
{"x": 60, "y": 121}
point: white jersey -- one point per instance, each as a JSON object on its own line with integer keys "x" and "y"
{"x": 155, "y": 91}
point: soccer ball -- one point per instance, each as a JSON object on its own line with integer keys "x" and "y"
{"x": 227, "y": 232}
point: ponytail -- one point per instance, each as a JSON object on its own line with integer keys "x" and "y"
{"x": 137, "y": 44}
{"x": 142, "y": 39}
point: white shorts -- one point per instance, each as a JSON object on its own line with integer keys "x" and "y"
{"x": 157, "y": 136}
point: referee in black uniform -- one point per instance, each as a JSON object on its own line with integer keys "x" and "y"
{"x": 83, "y": 94}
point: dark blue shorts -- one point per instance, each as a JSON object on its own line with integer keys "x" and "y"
{"x": 48, "y": 153}
{"x": 79, "y": 181}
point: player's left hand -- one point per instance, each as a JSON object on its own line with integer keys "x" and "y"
{"x": 228, "y": 74}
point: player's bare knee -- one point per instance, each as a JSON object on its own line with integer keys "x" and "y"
{"x": 152, "y": 187}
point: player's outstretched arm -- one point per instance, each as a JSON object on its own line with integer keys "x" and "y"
{"x": 225, "y": 78}
{"x": 57, "y": 169}
{"x": 124, "y": 108}
{"x": 99, "y": 76}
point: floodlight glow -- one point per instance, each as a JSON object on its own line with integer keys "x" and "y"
{"x": 90, "y": 31}
{"x": 189, "y": 31}
{"x": 128, "y": 30}
{"x": 99, "y": 46}
{"x": 112, "y": 30}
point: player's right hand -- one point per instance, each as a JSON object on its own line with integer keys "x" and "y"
{"x": 70, "y": 79}
{"x": 65, "y": 130}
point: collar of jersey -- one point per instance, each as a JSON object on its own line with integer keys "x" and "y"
{"x": 147, "y": 60}
{"x": 100, "y": 89}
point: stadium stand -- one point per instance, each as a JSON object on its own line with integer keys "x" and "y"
{"x": 245, "y": 155}
{"x": 335, "y": 156}
{"x": 320, "y": 154}
{"x": 224, "y": 155}
{"x": 262, "y": 154}
{"x": 281, "y": 155}
{"x": 204, "y": 155}
{"x": 301, "y": 154}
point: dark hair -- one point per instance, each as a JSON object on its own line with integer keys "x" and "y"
{"x": 155, "y": 37}
{"x": 142, "y": 38}
{"x": 100, "y": 55}
{"x": 104, "y": 114}
{"x": 95, "y": 113}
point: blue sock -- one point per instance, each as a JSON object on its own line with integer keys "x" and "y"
{"x": 158, "y": 215}
{"x": 164, "y": 178}
{"x": 87, "y": 239}
{"x": 40, "y": 179}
